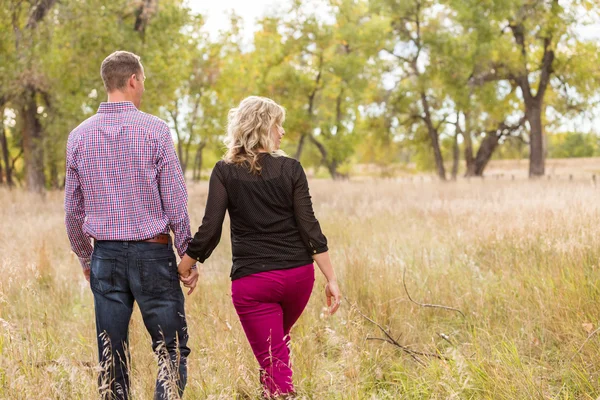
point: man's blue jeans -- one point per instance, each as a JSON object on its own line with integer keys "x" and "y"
{"x": 126, "y": 272}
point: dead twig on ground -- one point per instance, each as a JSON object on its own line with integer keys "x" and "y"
{"x": 389, "y": 339}
{"x": 428, "y": 305}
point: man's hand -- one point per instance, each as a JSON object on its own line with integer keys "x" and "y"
{"x": 86, "y": 273}
{"x": 187, "y": 275}
{"x": 191, "y": 280}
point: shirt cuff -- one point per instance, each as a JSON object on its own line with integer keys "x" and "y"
{"x": 319, "y": 250}
{"x": 85, "y": 263}
{"x": 195, "y": 257}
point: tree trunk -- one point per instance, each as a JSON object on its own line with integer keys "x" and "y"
{"x": 437, "y": 153}
{"x": 5, "y": 151}
{"x": 300, "y": 147}
{"x": 332, "y": 166}
{"x": 455, "y": 156}
{"x": 2, "y": 142}
{"x": 53, "y": 172}
{"x": 33, "y": 150}
{"x": 484, "y": 154}
{"x": 434, "y": 138}
{"x": 197, "y": 173}
{"x": 182, "y": 156}
{"x": 536, "y": 140}
{"x": 5, "y": 155}
{"x": 469, "y": 160}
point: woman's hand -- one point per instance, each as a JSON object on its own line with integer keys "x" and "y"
{"x": 187, "y": 274}
{"x": 334, "y": 297}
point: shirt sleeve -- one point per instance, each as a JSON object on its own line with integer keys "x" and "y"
{"x": 75, "y": 209}
{"x": 209, "y": 233}
{"x": 173, "y": 194}
{"x": 309, "y": 227}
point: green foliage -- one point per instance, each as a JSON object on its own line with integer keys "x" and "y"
{"x": 372, "y": 82}
{"x": 572, "y": 144}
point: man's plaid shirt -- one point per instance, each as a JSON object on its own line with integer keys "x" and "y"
{"x": 123, "y": 181}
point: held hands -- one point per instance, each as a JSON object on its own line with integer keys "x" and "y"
{"x": 187, "y": 275}
{"x": 334, "y": 297}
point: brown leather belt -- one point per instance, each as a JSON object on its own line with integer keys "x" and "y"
{"x": 162, "y": 238}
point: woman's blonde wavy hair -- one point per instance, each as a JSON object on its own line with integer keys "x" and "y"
{"x": 249, "y": 131}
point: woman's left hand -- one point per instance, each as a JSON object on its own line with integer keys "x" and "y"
{"x": 334, "y": 297}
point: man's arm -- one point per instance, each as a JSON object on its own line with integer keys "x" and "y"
{"x": 75, "y": 212}
{"x": 173, "y": 193}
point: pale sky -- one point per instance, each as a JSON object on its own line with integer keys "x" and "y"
{"x": 216, "y": 12}
{"x": 217, "y": 19}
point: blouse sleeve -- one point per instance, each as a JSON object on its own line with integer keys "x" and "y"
{"x": 309, "y": 227}
{"x": 209, "y": 233}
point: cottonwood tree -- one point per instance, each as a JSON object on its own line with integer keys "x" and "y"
{"x": 535, "y": 47}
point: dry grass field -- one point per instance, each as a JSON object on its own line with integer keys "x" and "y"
{"x": 520, "y": 259}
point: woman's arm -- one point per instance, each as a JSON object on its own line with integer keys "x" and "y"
{"x": 332, "y": 291}
{"x": 315, "y": 241}
{"x": 209, "y": 233}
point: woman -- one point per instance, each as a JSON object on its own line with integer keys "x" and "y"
{"x": 274, "y": 236}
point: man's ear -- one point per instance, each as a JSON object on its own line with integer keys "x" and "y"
{"x": 132, "y": 80}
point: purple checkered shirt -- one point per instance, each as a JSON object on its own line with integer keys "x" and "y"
{"x": 123, "y": 181}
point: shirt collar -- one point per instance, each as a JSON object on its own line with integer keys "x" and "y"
{"x": 116, "y": 107}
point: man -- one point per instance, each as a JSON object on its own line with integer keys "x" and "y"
{"x": 124, "y": 188}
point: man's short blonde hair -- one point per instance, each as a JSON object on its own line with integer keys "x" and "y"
{"x": 118, "y": 67}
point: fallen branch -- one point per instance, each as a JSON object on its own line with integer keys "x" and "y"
{"x": 389, "y": 339}
{"x": 428, "y": 305}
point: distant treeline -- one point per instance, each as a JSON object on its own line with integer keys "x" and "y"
{"x": 436, "y": 82}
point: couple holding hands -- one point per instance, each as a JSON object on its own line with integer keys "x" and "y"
{"x": 124, "y": 188}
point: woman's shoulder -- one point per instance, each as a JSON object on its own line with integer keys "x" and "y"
{"x": 284, "y": 160}
{"x": 284, "y": 163}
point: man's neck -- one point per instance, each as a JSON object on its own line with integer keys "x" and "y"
{"x": 116, "y": 97}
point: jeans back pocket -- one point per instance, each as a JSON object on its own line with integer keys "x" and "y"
{"x": 158, "y": 275}
{"x": 102, "y": 274}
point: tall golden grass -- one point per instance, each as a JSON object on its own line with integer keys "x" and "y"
{"x": 520, "y": 259}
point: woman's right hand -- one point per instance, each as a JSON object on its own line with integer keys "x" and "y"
{"x": 334, "y": 297}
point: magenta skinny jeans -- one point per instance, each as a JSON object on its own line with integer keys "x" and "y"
{"x": 268, "y": 304}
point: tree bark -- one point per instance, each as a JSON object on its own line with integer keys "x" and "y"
{"x": 437, "y": 153}
{"x": 536, "y": 141}
{"x": 434, "y": 138}
{"x": 197, "y": 173}
{"x": 32, "y": 144}
{"x": 534, "y": 104}
{"x": 489, "y": 144}
{"x": 485, "y": 152}
{"x": 469, "y": 160}
{"x": 332, "y": 166}
{"x": 53, "y": 174}
{"x": 143, "y": 14}
{"x": 6, "y": 156}
{"x": 38, "y": 12}
{"x": 309, "y": 111}
{"x": 300, "y": 147}
{"x": 33, "y": 150}
{"x": 181, "y": 153}
{"x": 2, "y": 142}
{"x": 455, "y": 155}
